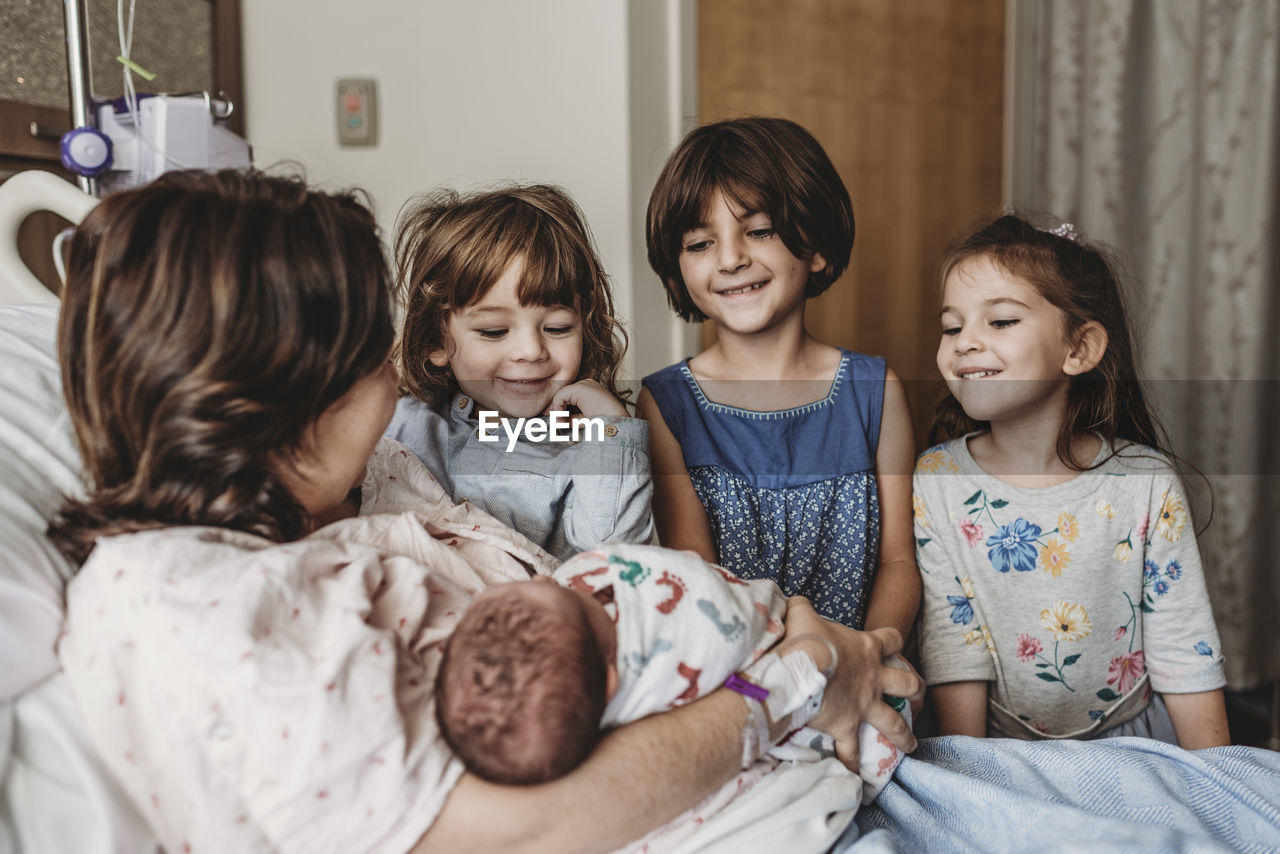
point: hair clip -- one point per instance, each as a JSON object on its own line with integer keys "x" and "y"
{"x": 1066, "y": 230}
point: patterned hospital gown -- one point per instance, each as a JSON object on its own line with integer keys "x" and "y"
{"x": 790, "y": 494}
{"x": 253, "y": 696}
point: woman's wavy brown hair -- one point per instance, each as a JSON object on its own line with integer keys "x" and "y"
{"x": 207, "y": 321}
{"x": 1083, "y": 282}
{"x": 759, "y": 163}
{"x": 450, "y": 249}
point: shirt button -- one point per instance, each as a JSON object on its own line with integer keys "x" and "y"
{"x": 610, "y": 430}
{"x": 463, "y": 402}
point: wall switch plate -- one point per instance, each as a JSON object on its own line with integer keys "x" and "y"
{"x": 357, "y": 111}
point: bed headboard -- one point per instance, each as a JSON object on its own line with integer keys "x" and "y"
{"x": 20, "y": 196}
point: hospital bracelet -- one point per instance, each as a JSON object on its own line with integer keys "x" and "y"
{"x": 787, "y": 688}
{"x": 755, "y": 732}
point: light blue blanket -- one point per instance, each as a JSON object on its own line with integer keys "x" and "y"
{"x": 960, "y": 794}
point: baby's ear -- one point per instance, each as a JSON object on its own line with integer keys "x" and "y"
{"x": 1089, "y": 348}
{"x": 817, "y": 263}
{"x": 610, "y": 680}
{"x": 439, "y": 357}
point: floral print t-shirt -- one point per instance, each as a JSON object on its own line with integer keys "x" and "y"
{"x": 1074, "y": 601}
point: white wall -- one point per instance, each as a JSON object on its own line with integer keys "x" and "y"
{"x": 580, "y": 93}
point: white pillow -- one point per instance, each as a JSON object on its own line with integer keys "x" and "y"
{"x": 38, "y": 465}
{"x": 55, "y": 795}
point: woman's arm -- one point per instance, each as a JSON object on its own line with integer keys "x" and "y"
{"x": 1199, "y": 719}
{"x": 961, "y": 708}
{"x": 639, "y": 777}
{"x": 895, "y": 593}
{"x": 648, "y": 772}
{"x": 677, "y": 512}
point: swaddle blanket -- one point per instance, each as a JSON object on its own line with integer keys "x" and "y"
{"x": 684, "y": 626}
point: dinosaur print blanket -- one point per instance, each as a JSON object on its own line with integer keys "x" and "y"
{"x": 683, "y": 627}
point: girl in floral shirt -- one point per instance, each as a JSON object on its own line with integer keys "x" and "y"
{"x": 1063, "y": 591}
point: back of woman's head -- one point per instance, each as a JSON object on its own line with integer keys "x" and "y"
{"x": 1082, "y": 281}
{"x": 761, "y": 164}
{"x": 207, "y": 321}
{"x": 451, "y": 248}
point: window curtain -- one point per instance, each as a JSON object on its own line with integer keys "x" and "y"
{"x": 1155, "y": 128}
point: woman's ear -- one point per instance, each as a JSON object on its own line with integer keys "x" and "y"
{"x": 1088, "y": 350}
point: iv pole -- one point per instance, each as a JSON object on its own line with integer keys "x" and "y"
{"x": 76, "y": 17}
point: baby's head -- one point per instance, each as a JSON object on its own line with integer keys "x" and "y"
{"x": 505, "y": 299}
{"x": 524, "y": 681}
{"x": 758, "y": 165}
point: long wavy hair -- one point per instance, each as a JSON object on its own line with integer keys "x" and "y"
{"x": 207, "y": 321}
{"x": 450, "y": 249}
{"x": 1083, "y": 281}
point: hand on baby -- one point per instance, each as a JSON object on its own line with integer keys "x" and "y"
{"x": 590, "y": 398}
{"x": 857, "y": 691}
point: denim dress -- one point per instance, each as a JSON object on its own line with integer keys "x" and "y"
{"x": 790, "y": 494}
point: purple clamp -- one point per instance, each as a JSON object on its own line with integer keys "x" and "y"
{"x": 745, "y": 688}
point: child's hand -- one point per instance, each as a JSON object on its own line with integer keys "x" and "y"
{"x": 915, "y": 701}
{"x": 589, "y": 397}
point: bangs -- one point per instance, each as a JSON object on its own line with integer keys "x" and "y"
{"x": 730, "y": 166}
{"x": 737, "y": 188}
{"x": 553, "y": 280}
{"x": 558, "y": 269}
{"x": 740, "y": 192}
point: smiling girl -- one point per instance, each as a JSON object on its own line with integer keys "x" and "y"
{"x": 1061, "y": 575}
{"x": 775, "y": 455}
{"x": 508, "y": 311}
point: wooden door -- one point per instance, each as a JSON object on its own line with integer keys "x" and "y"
{"x": 907, "y": 97}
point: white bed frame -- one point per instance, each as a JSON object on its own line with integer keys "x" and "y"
{"x": 55, "y": 794}
{"x": 20, "y": 196}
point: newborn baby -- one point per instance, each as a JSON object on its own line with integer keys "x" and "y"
{"x": 535, "y": 669}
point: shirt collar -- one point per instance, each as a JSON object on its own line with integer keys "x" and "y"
{"x": 462, "y": 408}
